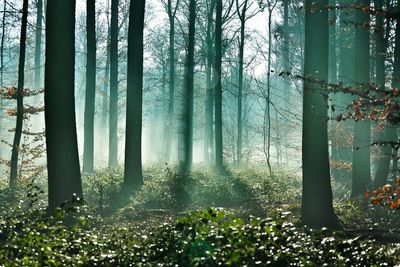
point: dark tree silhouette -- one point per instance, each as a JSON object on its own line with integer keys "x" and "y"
{"x": 113, "y": 123}
{"x": 317, "y": 208}
{"x": 218, "y": 88}
{"x": 38, "y": 43}
{"x": 189, "y": 79}
{"x": 64, "y": 178}
{"x": 133, "y": 176}
{"x": 88, "y": 146}
{"x": 389, "y": 134}
{"x": 20, "y": 97}
{"x": 362, "y": 129}
{"x": 209, "y": 109}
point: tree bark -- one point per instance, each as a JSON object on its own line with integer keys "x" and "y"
{"x": 287, "y": 69}
{"x": 88, "y": 148}
{"x": 218, "y": 88}
{"x": 171, "y": 102}
{"x": 113, "y": 119}
{"x": 209, "y": 110}
{"x": 20, "y": 93}
{"x": 64, "y": 178}
{"x": 242, "y": 18}
{"x": 389, "y": 134}
{"x": 361, "y": 172}
{"x": 38, "y": 45}
{"x": 133, "y": 177}
{"x": 345, "y": 71}
{"x": 189, "y": 88}
{"x": 317, "y": 208}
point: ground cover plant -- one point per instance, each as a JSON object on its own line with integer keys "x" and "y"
{"x": 234, "y": 223}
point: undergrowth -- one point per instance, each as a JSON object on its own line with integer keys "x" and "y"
{"x": 169, "y": 223}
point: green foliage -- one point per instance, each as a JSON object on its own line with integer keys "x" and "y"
{"x": 202, "y": 238}
{"x": 101, "y": 188}
{"x": 149, "y": 229}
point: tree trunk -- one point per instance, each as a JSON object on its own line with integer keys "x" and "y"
{"x": 189, "y": 75}
{"x": 218, "y": 88}
{"x": 64, "y": 179}
{"x": 346, "y": 69}
{"x": 333, "y": 79}
{"x": 385, "y": 155}
{"x": 288, "y": 70}
{"x": 3, "y": 30}
{"x": 267, "y": 118}
{"x": 20, "y": 93}
{"x": 88, "y": 148}
{"x": 362, "y": 129}
{"x": 38, "y": 46}
{"x": 105, "y": 95}
{"x": 242, "y": 17}
{"x": 113, "y": 122}
{"x": 396, "y": 84}
{"x": 171, "y": 102}
{"x": 209, "y": 110}
{"x": 317, "y": 209}
{"x": 133, "y": 177}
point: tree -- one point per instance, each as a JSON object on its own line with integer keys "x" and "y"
{"x": 38, "y": 44}
{"x": 334, "y": 136}
{"x": 267, "y": 117}
{"x": 317, "y": 208}
{"x": 64, "y": 179}
{"x": 218, "y": 88}
{"x": 113, "y": 123}
{"x": 171, "y": 12}
{"x": 286, "y": 67}
{"x": 88, "y": 148}
{"x": 362, "y": 129}
{"x": 382, "y": 171}
{"x": 20, "y": 93}
{"x": 133, "y": 176}
{"x": 241, "y": 10}
{"x": 209, "y": 110}
{"x": 345, "y": 74}
{"x": 189, "y": 88}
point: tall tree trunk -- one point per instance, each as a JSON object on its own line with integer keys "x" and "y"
{"x": 218, "y": 88}
{"x": 242, "y": 17}
{"x": 3, "y": 30}
{"x": 189, "y": 79}
{"x": 346, "y": 69}
{"x": 267, "y": 117}
{"x": 88, "y": 148}
{"x": 209, "y": 110}
{"x": 38, "y": 45}
{"x": 395, "y": 84}
{"x": 287, "y": 69}
{"x": 317, "y": 209}
{"x": 113, "y": 120}
{"x": 104, "y": 94}
{"x": 133, "y": 177}
{"x": 64, "y": 178}
{"x": 171, "y": 102}
{"x": 20, "y": 93}
{"x": 362, "y": 129}
{"x": 382, "y": 171}
{"x": 333, "y": 79}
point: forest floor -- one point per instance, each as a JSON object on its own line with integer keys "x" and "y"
{"x": 247, "y": 218}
